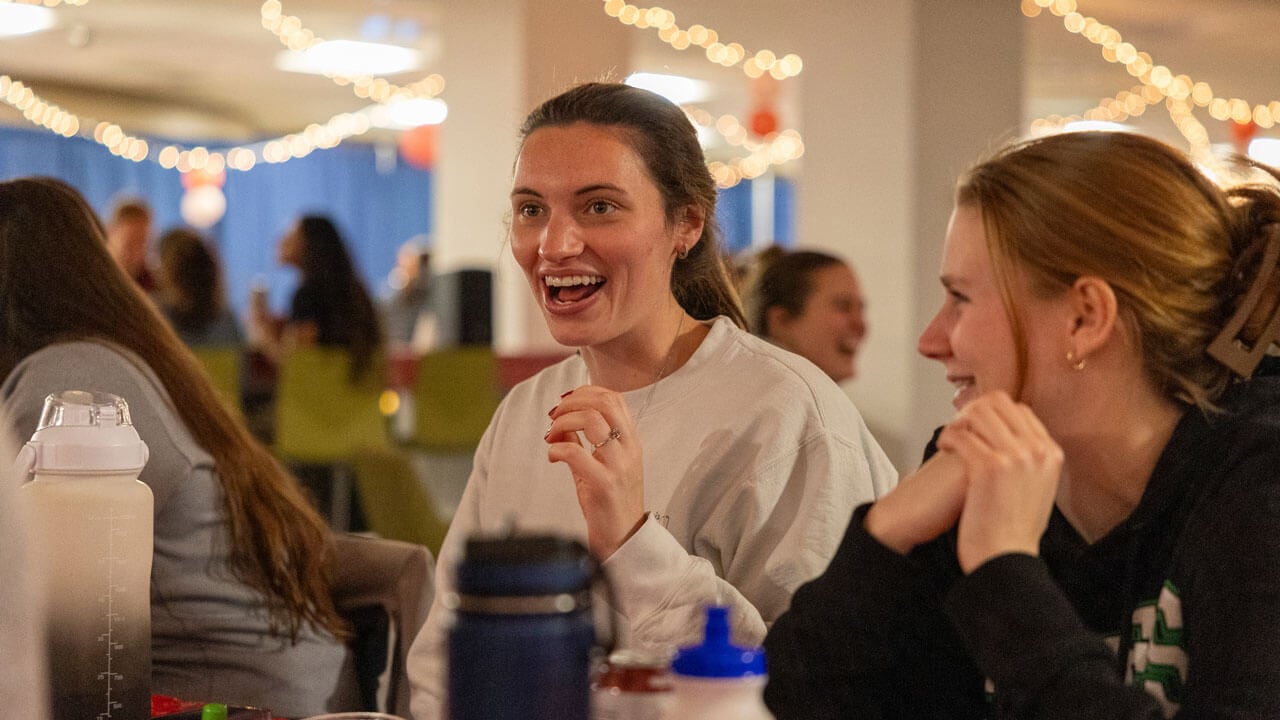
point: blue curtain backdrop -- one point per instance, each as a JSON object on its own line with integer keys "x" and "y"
{"x": 377, "y": 201}
{"x": 733, "y": 211}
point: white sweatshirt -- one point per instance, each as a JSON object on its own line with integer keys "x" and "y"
{"x": 753, "y": 461}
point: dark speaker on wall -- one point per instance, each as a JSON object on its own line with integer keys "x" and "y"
{"x": 463, "y": 301}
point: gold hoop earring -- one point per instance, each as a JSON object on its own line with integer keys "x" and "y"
{"x": 683, "y": 252}
{"x": 1073, "y": 362}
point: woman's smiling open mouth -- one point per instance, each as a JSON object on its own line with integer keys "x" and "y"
{"x": 572, "y": 288}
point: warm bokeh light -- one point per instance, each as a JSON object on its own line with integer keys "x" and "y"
{"x": 388, "y": 402}
{"x": 1180, "y": 93}
{"x": 293, "y": 35}
{"x": 726, "y": 54}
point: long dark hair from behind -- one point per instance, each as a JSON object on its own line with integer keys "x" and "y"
{"x": 662, "y": 136}
{"x": 786, "y": 282}
{"x": 192, "y": 284}
{"x": 325, "y": 261}
{"x": 279, "y": 544}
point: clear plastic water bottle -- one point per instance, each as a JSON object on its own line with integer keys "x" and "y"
{"x": 718, "y": 680}
{"x": 92, "y": 521}
{"x": 521, "y": 646}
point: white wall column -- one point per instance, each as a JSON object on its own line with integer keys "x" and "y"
{"x": 483, "y": 67}
{"x": 898, "y": 98}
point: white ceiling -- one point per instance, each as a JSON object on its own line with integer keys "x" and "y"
{"x": 202, "y": 68}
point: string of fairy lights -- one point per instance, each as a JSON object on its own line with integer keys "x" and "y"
{"x": 776, "y": 148}
{"x": 295, "y": 36}
{"x": 720, "y": 53}
{"x": 1180, "y": 93}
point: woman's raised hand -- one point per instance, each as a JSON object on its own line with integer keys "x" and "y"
{"x": 608, "y": 474}
{"x": 1012, "y": 467}
{"x": 924, "y": 505}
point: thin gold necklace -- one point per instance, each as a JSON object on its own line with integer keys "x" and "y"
{"x": 671, "y": 351}
{"x": 662, "y": 371}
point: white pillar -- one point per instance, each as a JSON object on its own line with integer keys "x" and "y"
{"x": 482, "y": 64}
{"x": 897, "y": 99}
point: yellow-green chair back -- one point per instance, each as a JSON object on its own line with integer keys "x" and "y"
{"x": 455, "y": 393}
{"x": 223, "y": 364}
{"x": 395, "y": 503}
{"x": 321, "y": 416}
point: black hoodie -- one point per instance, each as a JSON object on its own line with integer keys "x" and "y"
{"x": 1187, "y": 588}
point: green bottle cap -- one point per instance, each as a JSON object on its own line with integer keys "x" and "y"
{"x": 213, "y": 711}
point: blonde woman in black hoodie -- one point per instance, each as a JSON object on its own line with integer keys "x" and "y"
{"x": 1096, "y": 534}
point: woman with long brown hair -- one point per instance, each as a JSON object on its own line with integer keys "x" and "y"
{"x": 241, "y": 610}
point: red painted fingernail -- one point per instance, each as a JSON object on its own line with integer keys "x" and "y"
{"x": 566, "y": 394}
{"x": 552, "y": 411}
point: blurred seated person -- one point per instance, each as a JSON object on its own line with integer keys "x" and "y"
{"x": 190, "y": 291}
{"x": 331, "y": 306}
{"x": 240, "y": 583}
{"x": 408, "y": 311}
{"x": 128, "y": 240}
{"x": 749, "y": 263}
{"x": 810, "y": 303}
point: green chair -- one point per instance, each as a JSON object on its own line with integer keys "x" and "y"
{"x": 455, "y": 394}
{"x": 323, "y": 418}
{"x": 223, "y": 364}
{"x": 396, "y": 505}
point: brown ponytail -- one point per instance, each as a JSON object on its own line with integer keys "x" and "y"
{"x": 1251, "y": 297}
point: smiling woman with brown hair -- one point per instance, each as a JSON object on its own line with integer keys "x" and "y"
{"x": 699, "y": 463}
{"x": 240, "y": 595}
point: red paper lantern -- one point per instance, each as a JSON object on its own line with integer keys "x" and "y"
{"x": 763, "y": 122}
{"x": 418, "y": 146}
{"x": 1242, "y": 133}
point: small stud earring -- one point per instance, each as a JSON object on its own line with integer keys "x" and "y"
{"x": 1071, "y": 360}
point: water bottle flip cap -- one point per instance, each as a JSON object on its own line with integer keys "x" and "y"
{"x": 716, "y": 657}
{"x": 83, "y": 433}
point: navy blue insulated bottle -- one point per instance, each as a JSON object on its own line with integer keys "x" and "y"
{"x": 521, "y": 646}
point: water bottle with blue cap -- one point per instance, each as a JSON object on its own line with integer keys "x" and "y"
{"x": 718, "y": 680}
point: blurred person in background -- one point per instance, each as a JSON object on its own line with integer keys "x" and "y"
{"x": 408, "y": 311}
{"x": 697, "y": 462}
{"x": 129, "y": 240}
{"x": 331, "y": 306}
{"x": 810, "y": 303}
{"x": 241, "y": 610}
{"x": 190, "y": 291}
